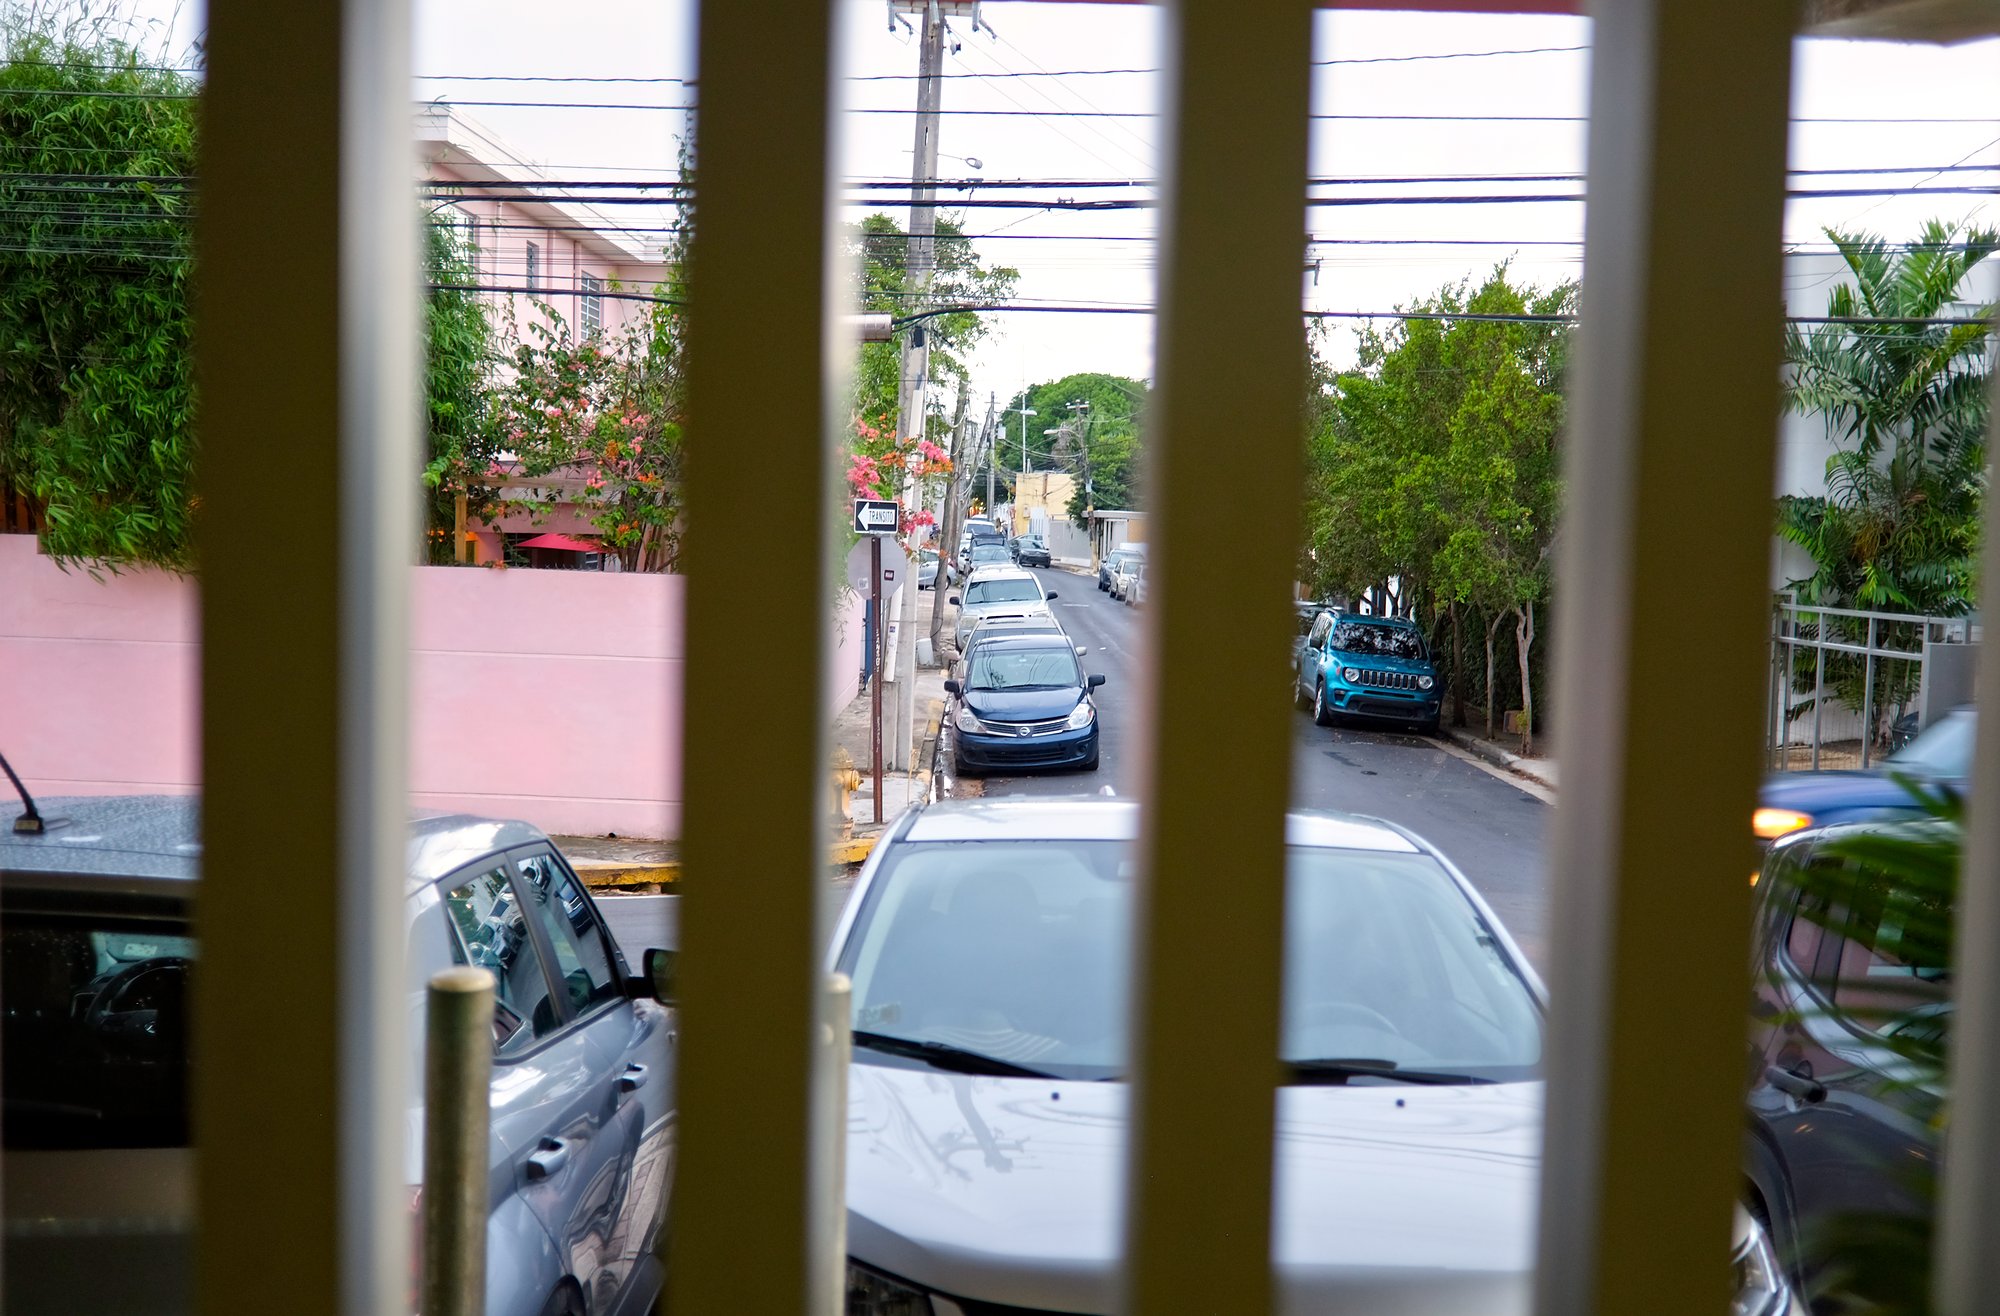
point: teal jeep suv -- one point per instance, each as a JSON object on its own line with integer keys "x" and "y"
{"x": 1353, "y": 665}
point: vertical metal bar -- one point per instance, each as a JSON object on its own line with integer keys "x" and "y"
{"x": 1230, "y": 359}
{"x": 304, "y": 654}
{"x": 1819, "y": 684}
{"x": 1675, "y": 397}
{"x": 833, "y": 1143}
{"x": 761, "y": 398}
{"x": 1967, "y": 1264}
{"x": 876, "y": 633}
{"x": 458, "y": 1071}
{"x": 1868, "y": 696}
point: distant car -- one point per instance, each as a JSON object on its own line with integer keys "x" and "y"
{"x": 1940, "y": 757}
{"x": 927, "y": 568}
{"x": 1021, "y": 701}
{"x": 1129, "y": 567}
{"x": 1032, "y": 551}
{"x": 985, "y": 553}
{"x": 1355, "y": 665}
{"x": 1849, "y": 996}
{"x": 1135, "y": 586}
{"x": 99, "y": 942}
{"x": 1114, "y": 560}
{"x": 998, "y": 591}
{"x": 989, "y": 944}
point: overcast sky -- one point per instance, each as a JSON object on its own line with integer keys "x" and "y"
{"x": 1063, "y": 256}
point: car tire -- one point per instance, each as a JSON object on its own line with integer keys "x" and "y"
{"x": 1322, "y": 713}
{"x": 1300, "y": 699}
{"x": 959, "y": 768}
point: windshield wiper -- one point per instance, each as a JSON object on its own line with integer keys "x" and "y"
{"x": 1336, "y": 1072}
{"x": 945, "y": 1056}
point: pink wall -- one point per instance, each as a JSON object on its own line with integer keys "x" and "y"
{"x": 553, "y": 696}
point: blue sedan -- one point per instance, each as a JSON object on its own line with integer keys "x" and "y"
{"x": 1022, "y": 701}
{"x": 1939, "y": 758}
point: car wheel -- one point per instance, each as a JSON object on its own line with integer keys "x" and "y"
{"x": 1322, "y": 715}
{"x": 1300, "y": 699}
{"x": 960, "y": 768}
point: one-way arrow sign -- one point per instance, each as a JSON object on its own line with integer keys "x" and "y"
{"x": 876, "y": 516}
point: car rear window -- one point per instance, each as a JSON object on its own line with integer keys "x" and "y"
{"x": 93, "y": 1046}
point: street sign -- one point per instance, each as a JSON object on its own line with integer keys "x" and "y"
{"x": 876, "y": 516}
{"x": 896, "y": 566}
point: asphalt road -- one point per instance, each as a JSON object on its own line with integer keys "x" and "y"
{"x": 1491, "y": 828}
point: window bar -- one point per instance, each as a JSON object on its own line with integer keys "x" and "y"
{"x": 1216, "y": 784}
{"x": 1675, "y": 405}
{"x": 302, "y": 999}
{"x": 1967, "y": 1266}
{"x": 758, "y": 1231}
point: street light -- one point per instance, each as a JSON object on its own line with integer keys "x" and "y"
{"x": 1025, "y": 413}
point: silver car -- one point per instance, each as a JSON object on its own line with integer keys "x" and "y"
{"x": 988, "y": 943}
{"x": 998, "y": 592}
{"x": 98, "y": 949}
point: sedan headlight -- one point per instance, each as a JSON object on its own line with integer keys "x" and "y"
{"x": 966, "y": 721}
{"x": 1082, "y": 715}
{"x": 1761, "y": 1286}
{"x": 1350, "y": 674}
{"x": 871, "y": 1293}
{"x": 1770, "y": 824}
{"x": 1425, "y": 682}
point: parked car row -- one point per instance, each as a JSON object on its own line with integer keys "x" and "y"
{"x": 1018, "y": 697}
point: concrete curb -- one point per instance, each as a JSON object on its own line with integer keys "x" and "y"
{"x": 1494, "y": 754}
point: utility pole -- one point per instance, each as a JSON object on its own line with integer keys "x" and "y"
{"x": 951, "y": 518}
{"x": 910, "y": 410}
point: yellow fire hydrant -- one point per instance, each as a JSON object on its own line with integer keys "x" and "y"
{"x": 845, "y": 782}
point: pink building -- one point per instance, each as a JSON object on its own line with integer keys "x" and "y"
{"x": 569, "y": 254}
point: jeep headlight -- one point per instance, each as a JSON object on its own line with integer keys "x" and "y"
{"x": 1425, "y": 682}
{"x": 1350, "y": 674}
{"x": 871, "y": 1293}
{"x": 1082, "y": 715}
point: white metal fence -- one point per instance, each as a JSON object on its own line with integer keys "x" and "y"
{"x": 1842, "y": 679}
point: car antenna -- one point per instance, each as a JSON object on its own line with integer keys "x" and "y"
{"x": 29, "y": 823}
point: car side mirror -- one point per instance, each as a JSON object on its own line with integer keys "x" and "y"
{"x": 953, "y": 600}
{"x": 953, "y": 688}
{"x": 1096, "y": 681}
{"x": 1051, "y": 594}
{"x": 661, "y": 980}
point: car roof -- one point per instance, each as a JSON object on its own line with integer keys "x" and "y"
{"x": 1096, "y": 818}
{"x": 1000, "y": 573}
{"x": 1370, "y": 619}
{"x": 1040, "y": 621}
{"x": 987, "y": 638}
{"x": 156, "y": 839}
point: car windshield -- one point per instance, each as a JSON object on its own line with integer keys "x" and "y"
{"x": 1021, "y": 667}
{"x": 1019, "y": 951}
{"x": 988, "y": 552}
{"x": 95, "y": 1042}
{"x": 1373, "y": 640}
{"x": 1943, "y": 751}
{"x": 1012, "y": 589}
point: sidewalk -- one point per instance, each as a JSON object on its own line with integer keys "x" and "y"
{"x": 1502, "y": 752}
{"x": 630, "y": 864}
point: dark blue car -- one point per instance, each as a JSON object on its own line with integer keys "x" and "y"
{"x": 1352, "y": 665}
{"x": 1022, "y": 701}
{"x": 1940, "y": 757}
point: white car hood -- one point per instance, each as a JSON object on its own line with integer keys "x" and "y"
{"x": 1393, "y": 1200}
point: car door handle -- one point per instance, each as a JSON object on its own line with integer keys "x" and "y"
{"x": 632, "y": 1079}
{"x": 1794, "y": 1084}
{"x": 547, "y": 1159}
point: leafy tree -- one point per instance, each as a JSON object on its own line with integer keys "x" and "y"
{"x": 1084, "y": 420}
{"x": 1905, "y": 406}
{"x": 458, "y": 359}
{"x": 96, "y": 388}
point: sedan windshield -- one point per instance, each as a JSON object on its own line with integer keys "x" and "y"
{"x": 1011, "y": 590}
{"x": 1018, "y": 951}
{"x": 1377, "y": 641}
{"x": 996, "y": 667}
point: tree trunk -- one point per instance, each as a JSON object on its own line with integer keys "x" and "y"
{"x": 1492, "y": 629}
{"x": 1524, "y": 641}
{"x": 1457, "y": 665}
